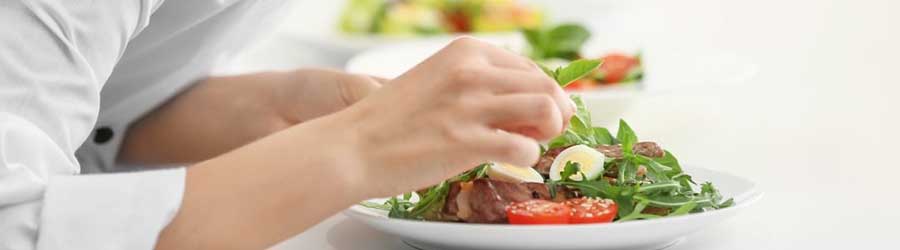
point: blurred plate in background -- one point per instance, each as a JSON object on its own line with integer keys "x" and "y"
{"x": 666, "y": 71}
{"x": 326, "y": 38}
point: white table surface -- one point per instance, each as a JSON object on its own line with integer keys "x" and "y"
{"x": 815, "y": 128}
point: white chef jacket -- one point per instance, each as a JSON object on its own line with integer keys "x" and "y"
{"x": 70, "y": 67}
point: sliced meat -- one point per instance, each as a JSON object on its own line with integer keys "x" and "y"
{"x": 661, "y": 211}
{"x": 646, "y": 148}
{"x": 485, "y": 200}
{"x": 489, "y": 199}
{"x": 649, "y": 149}
{"x": 450, "y": 205}
{"x": 611, "y": 151}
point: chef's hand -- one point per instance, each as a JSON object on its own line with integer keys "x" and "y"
{"x": 468, "y": 104}
{"x": 223, "y": 113}
{"x": 441, "y": 118}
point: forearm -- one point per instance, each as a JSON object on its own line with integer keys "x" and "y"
{"x": 208, "y": 119}
{"x": 223, "y": 113}
{"x": 267, "y": 191}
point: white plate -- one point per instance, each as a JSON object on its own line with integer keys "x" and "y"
{"x": 666, "y": 71}
{"x": 646, "y": 234}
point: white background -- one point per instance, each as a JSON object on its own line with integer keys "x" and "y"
{"x": 815, "y": 128}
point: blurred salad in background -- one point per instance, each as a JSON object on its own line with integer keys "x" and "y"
{"x": 561, "y": 44}
{"x": 405, "y": 18}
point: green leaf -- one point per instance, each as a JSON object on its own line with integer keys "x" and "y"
{"x": 684, "y": 209}
{"x": 565, "y": 41}
{"x": 551, "y": 73}
{"x": 576, "y": 70}
{"x": 571, "y": 168}
{"x": 626, "y": 136}
{"x": 636, "y": 213}
{"x": 579, "y": 130}
{"x": 602, "y": 136}
{"x": 661, "y": 187}
{"x": 594, "y": 188}
{"x": 566, "y": 139}
{"x": 669, "y": 160}
{"x": 431, "y": 202}
{"x": 581, "y": 111}
{"x": 674, "y": 201}
{"x": 537, "y": 39}
{"x": 636, "y": 74}
{"x": 562, "y": 41}
{"x": 374, "y": 205}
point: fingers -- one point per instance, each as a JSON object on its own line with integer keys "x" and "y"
{"x": 509, "y": 82}
{"x": 355, "y": 87}
{"x": 533, "y": 115}
{"x": 499, "y": 146}
{"x": 494, "y": 55}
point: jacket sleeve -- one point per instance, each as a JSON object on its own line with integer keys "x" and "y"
{"x": 55, "y": 56}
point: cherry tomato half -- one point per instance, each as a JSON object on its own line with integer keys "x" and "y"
{"x": 591, "y": 210}
{"x": 533, "y": 212}
{"x": 616, "y": 66}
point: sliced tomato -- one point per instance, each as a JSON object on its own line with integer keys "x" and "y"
{"x": 591, "y": 210}
{"x": 582, "y": 84}
{"x": 616, "y": 66}
{"x": 534, "y": 212}
{"x": 458, "y": 21}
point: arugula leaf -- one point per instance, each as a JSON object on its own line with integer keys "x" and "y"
{"x": 636, "y": 213}
{"x": 369, "y": 204}
{"x": 431, "y": 202}
{"x": 661, "y": 187}
{"x": 684, "y": 209}
{"x": 398, "y": 208}
{"x": 571, "y": 168}
{"x": 576, "y": 70}
{"x": 674, "y": 201}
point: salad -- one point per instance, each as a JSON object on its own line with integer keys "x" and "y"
{"x": 585, "y": 175}
{"x": 561, "y": 44}
{"x": 430, "y": 17}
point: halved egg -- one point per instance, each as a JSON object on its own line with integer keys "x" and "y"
{"x": 590, "y": 159}
{"x": 512, "y": 173}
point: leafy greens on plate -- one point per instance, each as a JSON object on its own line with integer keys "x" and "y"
{"x": 636, "y": 179}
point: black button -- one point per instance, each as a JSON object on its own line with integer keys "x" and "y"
{"x": 103, "y": 135}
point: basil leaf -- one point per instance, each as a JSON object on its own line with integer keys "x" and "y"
{"x": 576, "y": 70}
{"x": 551, "y": 73}
{"x": 562, "y": 41}
{"x": 537, "y": 40}
{"x": 566, "y": 40}
{"x": 602, "y": 136}
{"x": 669, "y": 160}
{"x": 567, "y": 138}
{"x": 627, "y": 137}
